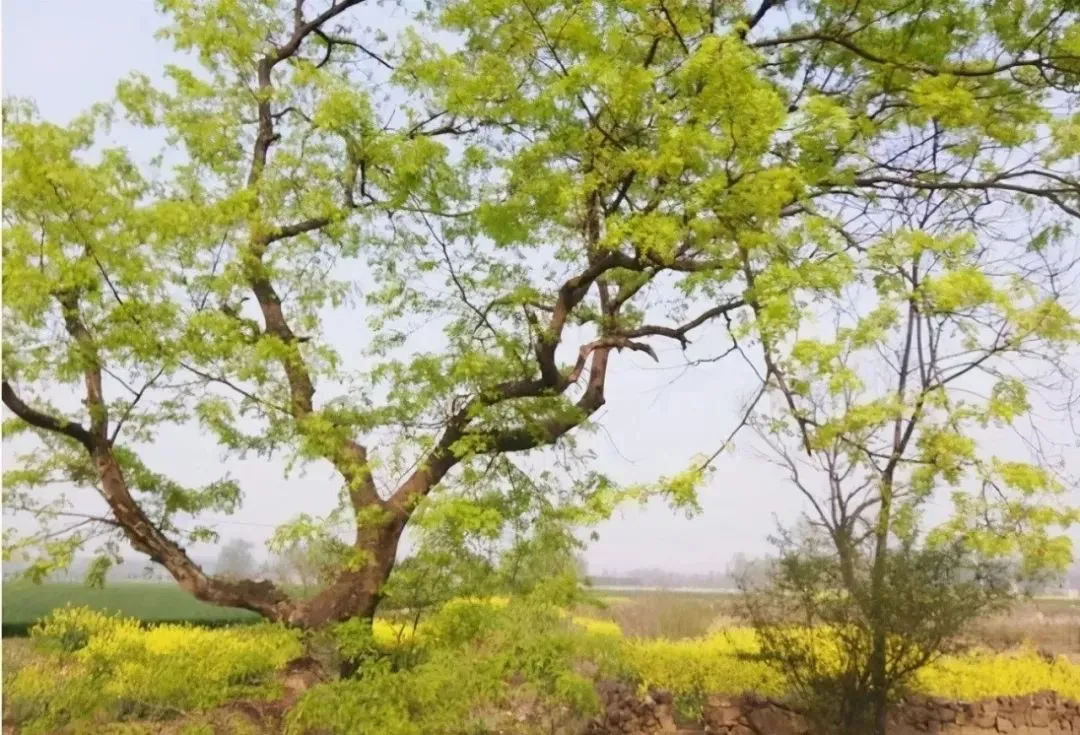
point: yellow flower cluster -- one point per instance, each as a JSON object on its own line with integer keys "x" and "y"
{"x": 594, "y": 626}
{"x": 97, "y": 665}
{"x": 719, "y": 663}
{"x": 390, "y": 634}
{"x": 225, "y": 662}
{"x": 726, "y": 662}
{"x": 981, "y": 675}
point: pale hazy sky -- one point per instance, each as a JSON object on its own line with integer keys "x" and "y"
{"x": 68, "y": 54}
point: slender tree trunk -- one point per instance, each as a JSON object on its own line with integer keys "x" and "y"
{"x": 879, "y": 681}
{"x": 879, "y": 684}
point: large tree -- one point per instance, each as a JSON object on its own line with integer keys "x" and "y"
{"x": 560, "y": 182}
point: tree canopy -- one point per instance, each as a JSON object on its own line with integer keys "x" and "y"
{"x": 507, "y": 195}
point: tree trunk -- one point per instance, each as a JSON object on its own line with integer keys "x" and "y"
{"x": 357, "y": 590}
{"x": 879, "y": 690}
{"x": 879, "y": 683}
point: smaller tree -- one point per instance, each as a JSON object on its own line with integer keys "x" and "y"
{"x": 748, "y": 571}
{"x": 813, "y": 624}
{"x": 236, "y": 560}
{"x": 927, "y": 383}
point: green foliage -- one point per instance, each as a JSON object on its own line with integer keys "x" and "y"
{"x": 435, "y": 697}
{"x": 519, "y": 534}
{"x": 662, "y": 134}
{"x": 477, "y": 657}
{"x": 305, "y": 561}
{"x": 475, "y": 663}
{"x": 501, "y": 201}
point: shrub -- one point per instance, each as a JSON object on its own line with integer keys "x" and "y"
{"x": 476, "y": 657}
{"x": 434, "y": 697}
{"x": 458, "y": 621}
{"x": 47, "y": 694}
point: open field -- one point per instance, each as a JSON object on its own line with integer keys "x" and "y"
{"x": 25, "y": 603}
{"x": 1050, "y": 624}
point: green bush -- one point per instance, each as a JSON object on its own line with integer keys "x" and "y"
{"x": 479, "y": 659}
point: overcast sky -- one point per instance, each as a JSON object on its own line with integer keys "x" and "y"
{"x": 68, "y": 54}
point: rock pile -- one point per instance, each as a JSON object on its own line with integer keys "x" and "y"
{"x": 751, "y": 715}
{"x": 625, "y": 713}
{"x": 1035, "y": 714}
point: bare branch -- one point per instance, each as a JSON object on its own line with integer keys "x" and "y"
{"x": 955, "y": 70}
{"x": 131, "y": 406}
{"x": 679, "y": 333}
{"x": 45, "y": 421}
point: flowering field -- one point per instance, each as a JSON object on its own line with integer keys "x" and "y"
{"x": 81, "y": 665}
{"x": 724, "y": 663}
{"x": 86, "y": 665}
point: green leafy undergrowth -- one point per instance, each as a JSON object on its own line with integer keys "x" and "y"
{"x": 477, "y": 662}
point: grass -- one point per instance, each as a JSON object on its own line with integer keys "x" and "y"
{"x": 667, "y": 614}
{"x": 15, "y": 654}
{"x": 25, "y": 603}
{"x": 1052, "y": 626}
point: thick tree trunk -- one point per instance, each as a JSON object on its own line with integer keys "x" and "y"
{"x": 357, "y": 591}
